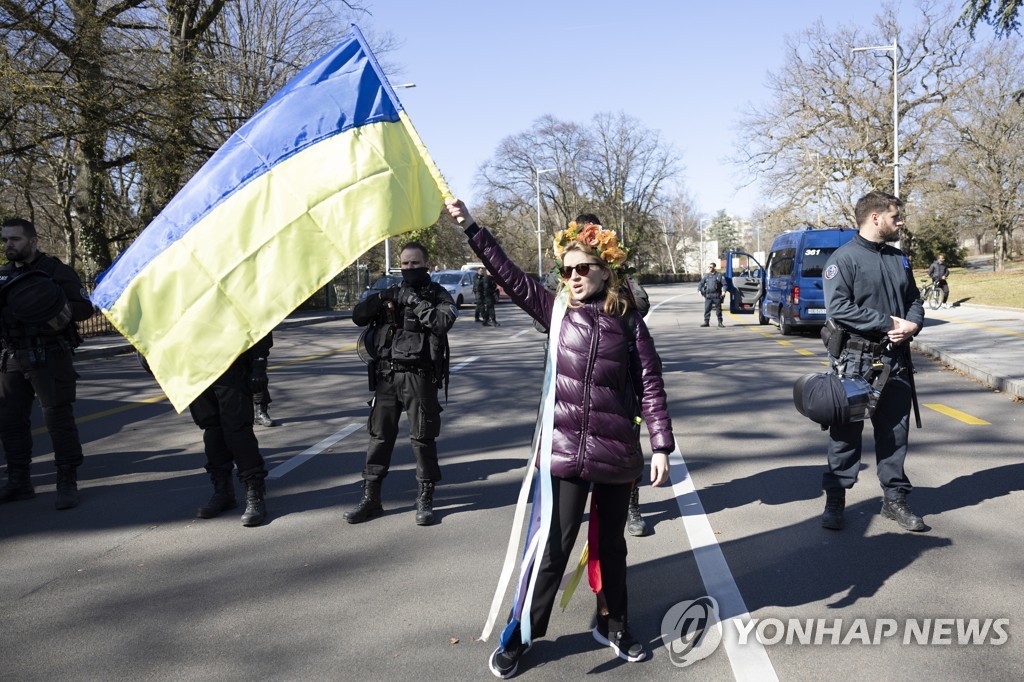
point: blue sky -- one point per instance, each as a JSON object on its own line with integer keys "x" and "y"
{"x": 485, "y": 70}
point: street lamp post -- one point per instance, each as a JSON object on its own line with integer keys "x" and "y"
{"x": 387, "y": 240}
{"x": 895, "y": 111}
{"x": 540, "y": 249}
{"x": 700, "y": 230}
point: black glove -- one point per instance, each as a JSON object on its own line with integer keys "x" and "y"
{"x": 407, "y": 297}
{"x": 390, "y": 294}
{"x": 257, "y": 378}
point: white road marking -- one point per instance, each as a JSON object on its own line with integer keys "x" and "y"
{"x": 306, "y": 455}
{"x": 655, "y": 307}
{"x": 465, "y": 362}
{"x": 750, "y": 661}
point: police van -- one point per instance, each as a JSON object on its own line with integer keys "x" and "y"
{"x": 787, "y": 291}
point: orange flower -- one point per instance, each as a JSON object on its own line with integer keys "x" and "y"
{"x": 589, "y": 235}
{"x": 606, "y": 238}
{"x": 614, "y": 256}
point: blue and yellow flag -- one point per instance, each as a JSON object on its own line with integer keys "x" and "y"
{"x": 329, "y": 167}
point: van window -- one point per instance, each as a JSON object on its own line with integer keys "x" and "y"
{"x": 814, "y": 260}
{"x": 782, "y": 263}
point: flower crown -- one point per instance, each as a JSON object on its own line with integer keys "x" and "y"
{"x": 604, "y": 242}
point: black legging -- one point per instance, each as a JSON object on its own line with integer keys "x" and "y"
{"x": 569, "y": 501}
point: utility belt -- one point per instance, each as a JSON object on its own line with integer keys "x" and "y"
{"x": 388, "y": 367}
{"x": 31, "y": 353}
{"x": 864, "y": 346}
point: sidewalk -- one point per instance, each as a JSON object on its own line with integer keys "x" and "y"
{"x": 984, "y": 342}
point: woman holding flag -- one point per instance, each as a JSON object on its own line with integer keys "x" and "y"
{"x": 603, "y": 377}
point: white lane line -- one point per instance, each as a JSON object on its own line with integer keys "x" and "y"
{"x": 465, "y": 362}
{"x": 306, "y": 455}
{"x": 750, "y": 661}
{"x": 655, "y": 307}
{"x": 519, "y": 333}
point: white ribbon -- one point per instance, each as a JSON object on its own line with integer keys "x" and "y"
{"x": 537, "y": 537}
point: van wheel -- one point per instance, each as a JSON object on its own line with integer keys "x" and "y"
{"x": 761, "y": 318}
{"x": 785, "y": 328}
{"x": 458, "y": 302}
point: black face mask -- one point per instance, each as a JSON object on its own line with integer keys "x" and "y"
{"x": 416, "y": 277}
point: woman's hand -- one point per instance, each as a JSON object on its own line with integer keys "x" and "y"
{"x": 458, "y": 210}
{"x": 659, "y": 469}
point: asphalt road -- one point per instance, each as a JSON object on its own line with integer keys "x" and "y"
{"x": 130, "y": 586}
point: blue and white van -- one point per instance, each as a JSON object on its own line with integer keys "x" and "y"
{"x": 787, "y": 290}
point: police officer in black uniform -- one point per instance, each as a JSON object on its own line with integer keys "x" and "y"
{"x": 478, "y": 291}
{"x": 489, "y": 289}
{"x": 870, "y": 293}
{"x": 410, "y": 345}
{"x": 224, "y": 412}
{"x": 712, "y": 288}
{"x": 41, "y": 299}
{"x": 261, "y": 399}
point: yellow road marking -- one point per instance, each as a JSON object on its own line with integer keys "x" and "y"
{"x": 956, "y": 414}
{"x": 803, "y": 351}
{"x": 784, "y": 343}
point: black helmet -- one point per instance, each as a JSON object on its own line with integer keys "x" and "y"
{"x": 35, "y": 299}
{"x": 830, "y": 399}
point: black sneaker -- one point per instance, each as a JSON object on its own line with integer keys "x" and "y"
{"x": 504, "y": 662}
{"x": 622, "y": 642}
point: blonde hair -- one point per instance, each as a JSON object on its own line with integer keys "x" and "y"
{"x": 614, "y": 304}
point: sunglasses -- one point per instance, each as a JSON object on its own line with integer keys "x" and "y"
{"x": 582, "y": 268}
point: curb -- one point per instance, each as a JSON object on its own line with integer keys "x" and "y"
{"x": 999, "y": 382}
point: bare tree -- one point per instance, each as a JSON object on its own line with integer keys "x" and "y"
{"x": 825, "y": 136}
{"x": 614, "y": 168}
{"x": 984, "y": 155}
{"x": 80, "y": 98}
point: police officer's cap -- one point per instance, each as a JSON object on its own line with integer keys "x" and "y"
{"x": 33, "y": 298}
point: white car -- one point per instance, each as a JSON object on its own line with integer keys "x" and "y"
{"x": 458, "y": 283}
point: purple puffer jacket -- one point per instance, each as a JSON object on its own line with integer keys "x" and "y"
{"x": 595, "y": 436}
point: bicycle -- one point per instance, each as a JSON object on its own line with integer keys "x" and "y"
{"x": 931, "y": 295}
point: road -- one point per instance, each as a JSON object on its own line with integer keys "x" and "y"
{"x": 130, "y": 586}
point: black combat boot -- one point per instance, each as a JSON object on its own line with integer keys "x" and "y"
{"x": 255, "y": 508}
{"x": 425, "y": 504}
{"x": 67, "y": 487}
{"x": 368, "y": 507}
{"x": 19, "y": 484}
{"x": 898, "y": 510}
{"x": 835, "y": 503}
{"x": 262, "y": 418}
{"x": 223, "y": 497}
{"x": 635, "y": 524}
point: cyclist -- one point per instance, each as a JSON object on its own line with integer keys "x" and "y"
{"x": 939, "y": 272}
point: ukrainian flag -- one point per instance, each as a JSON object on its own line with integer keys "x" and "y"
{"x": 329, "y": 167}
